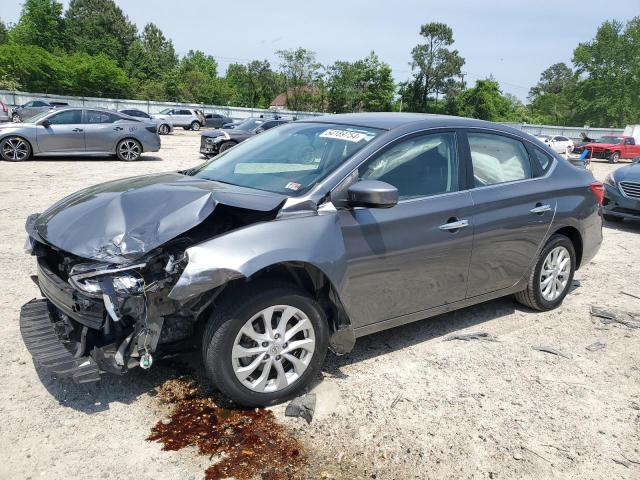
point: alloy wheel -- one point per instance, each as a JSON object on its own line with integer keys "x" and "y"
{"x": 555, "y": 273}
{"x": 273, "y": 349}
{"x": 16, "y": 118}
{"x": 15, "y": 149}
{"x": 129, "y": 150}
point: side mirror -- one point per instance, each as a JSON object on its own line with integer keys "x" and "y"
{"x": 45, "y": 123}
{"x": 372, "y": 194}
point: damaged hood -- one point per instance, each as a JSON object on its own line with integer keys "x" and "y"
{"x": 122, "y": 220}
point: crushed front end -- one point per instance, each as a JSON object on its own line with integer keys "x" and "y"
{"x": 103, "y": 317}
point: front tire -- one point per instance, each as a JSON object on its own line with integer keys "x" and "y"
{"x": 195, "y": 126}
{"x": 264, "y": 343}
{"x": 224, "y": 146}
{"x": 16, "y": 118}
{"x": 15, "y": 149}
{"x": 550, "y": 279}
{"x": 129, "y": 150}
{"x": 614, "y": 157}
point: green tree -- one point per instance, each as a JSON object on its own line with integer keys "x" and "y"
{"x": 195, "y": 80}
{"x": 485, "y": 101}
{"x": 4, "y": 33}
{"x": 151, "y": 55}
{"x": 254, "y": 84}
{"x": 364, "y": 85}
{"x": 40, "y": 24}
{"x": 95, "y": 76}
{"x": 551, "y": 98}
{"x": 435, "y": 67}
{"x": 302, "y": 76}
{"x": 99, "y": 27}
{"x": 609, "y": 67}
{"x": 32, "y": 68}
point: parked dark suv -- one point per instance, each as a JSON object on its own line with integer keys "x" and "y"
{"x": 301, "y": 239}
{"x": 214, "y": 142}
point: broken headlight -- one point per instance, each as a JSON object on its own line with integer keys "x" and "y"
{"x": 126, "y": 283}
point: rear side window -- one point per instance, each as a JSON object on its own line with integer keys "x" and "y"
{"x": 94, "y": 116}
{"x": 39, "y": 104}
{"x": 498, "y": 159}
{"x": 542, "y": 158}
{"x": 68, "y": 117}
{"x": 419, "y": 167}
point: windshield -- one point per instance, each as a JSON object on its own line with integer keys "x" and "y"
{"x": 610, "y": 139}
{"x": 164, "y": 111}
{"x": 249, "y": 124}
{"x": 288, "y": 159}
{"x": 39, "y": 116}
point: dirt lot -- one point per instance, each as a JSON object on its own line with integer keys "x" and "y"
{"x": 404, "y": 404}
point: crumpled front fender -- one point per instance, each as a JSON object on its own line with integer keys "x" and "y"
{"x": 314, "y": 239}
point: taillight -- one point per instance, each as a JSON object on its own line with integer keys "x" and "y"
{"x": 4, "y": 107}
{"x": 598, "y": 190}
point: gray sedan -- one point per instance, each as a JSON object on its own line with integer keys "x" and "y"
{"x": 78, "y": 131}
{"x": 304, "y": 238}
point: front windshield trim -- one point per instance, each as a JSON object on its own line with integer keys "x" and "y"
{"x": 289, "y": 160}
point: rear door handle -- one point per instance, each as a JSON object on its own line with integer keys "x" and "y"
{"x": 118, "y": 128}
{"x": 541, "y": 209}
{"x": 458, "y": 224}
{"x": 78, "y": 130}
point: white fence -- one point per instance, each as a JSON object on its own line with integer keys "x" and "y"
{"x": 12, "y": 99}
{"x": 570, "y": 132}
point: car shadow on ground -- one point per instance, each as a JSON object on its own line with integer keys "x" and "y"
{"x": 414, "y": 333}
{"x": 96, "y": 397}
{"x": 143, "y": 158}
{"x": 626, "y": 225}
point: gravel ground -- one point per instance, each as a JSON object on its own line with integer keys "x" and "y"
{"x": 404, "y": 404}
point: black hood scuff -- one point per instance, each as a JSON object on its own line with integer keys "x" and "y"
{"x": 122, "y": 220}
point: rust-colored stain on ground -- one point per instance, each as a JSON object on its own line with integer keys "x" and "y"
{"x": 250, "y": 442}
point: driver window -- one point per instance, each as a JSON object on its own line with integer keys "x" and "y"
{"x": 68, "y": 117}
{"x": 629, "y": 141}
{"x": 419, "y": 167}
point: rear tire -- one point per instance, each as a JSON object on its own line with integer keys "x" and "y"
{"x": 195, "y": 126}
{"x": 614, "y": 157}
{"x": 239, "y": 318}
{"x": 226, "y": 146}
{"x": 536, "y": 296}
{"x": 129, "y": 150}
{"x": 163, "y": 129}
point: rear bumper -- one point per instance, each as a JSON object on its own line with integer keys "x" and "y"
{"x": 618, "y": 205}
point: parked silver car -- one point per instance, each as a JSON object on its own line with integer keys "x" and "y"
{"x": 165, "y": 126}
{"x": 78, "y": 131}
{"x": 27, "y": 111}
{"x": 187, "y": 118}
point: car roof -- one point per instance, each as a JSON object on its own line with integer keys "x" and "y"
{"x": 392, "y": 120}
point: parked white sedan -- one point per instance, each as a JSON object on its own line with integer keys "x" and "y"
{"x": 558, "y": 143}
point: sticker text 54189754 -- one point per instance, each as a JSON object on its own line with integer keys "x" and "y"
{"x": 343, "y": 135}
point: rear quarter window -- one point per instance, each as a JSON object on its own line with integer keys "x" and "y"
{"x": 544, "y": 159}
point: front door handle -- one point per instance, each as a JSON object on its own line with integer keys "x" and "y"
{"x": 455, "y": 225}
{"x": 540, "y": 209}
{"x": 78, "y": 130}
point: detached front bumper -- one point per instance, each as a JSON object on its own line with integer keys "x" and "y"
{"x": 617, "y": 205}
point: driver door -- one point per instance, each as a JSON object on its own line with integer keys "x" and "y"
{"x": 413, "y": 256}
{"x": 64, "y": 133}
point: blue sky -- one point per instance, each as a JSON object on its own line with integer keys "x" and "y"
{"x": 512, "y": 40}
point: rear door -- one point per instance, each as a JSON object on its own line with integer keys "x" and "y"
{"x": 101, "y": 131}
{"x": 65, "y": 133}
{"x": 512, "y": 213}
{"x": 182, "y": 118}
{"x": 413, "y": 256}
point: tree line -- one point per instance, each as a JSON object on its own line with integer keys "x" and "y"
{"x": 93, "y": 49}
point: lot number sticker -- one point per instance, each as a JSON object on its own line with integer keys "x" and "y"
{"x": 343, "y": 135}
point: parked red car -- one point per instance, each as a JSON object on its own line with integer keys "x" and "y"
{"x": 613, "y": 148}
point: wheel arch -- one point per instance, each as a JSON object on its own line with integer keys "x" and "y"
{"x": 575, "y": 236}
